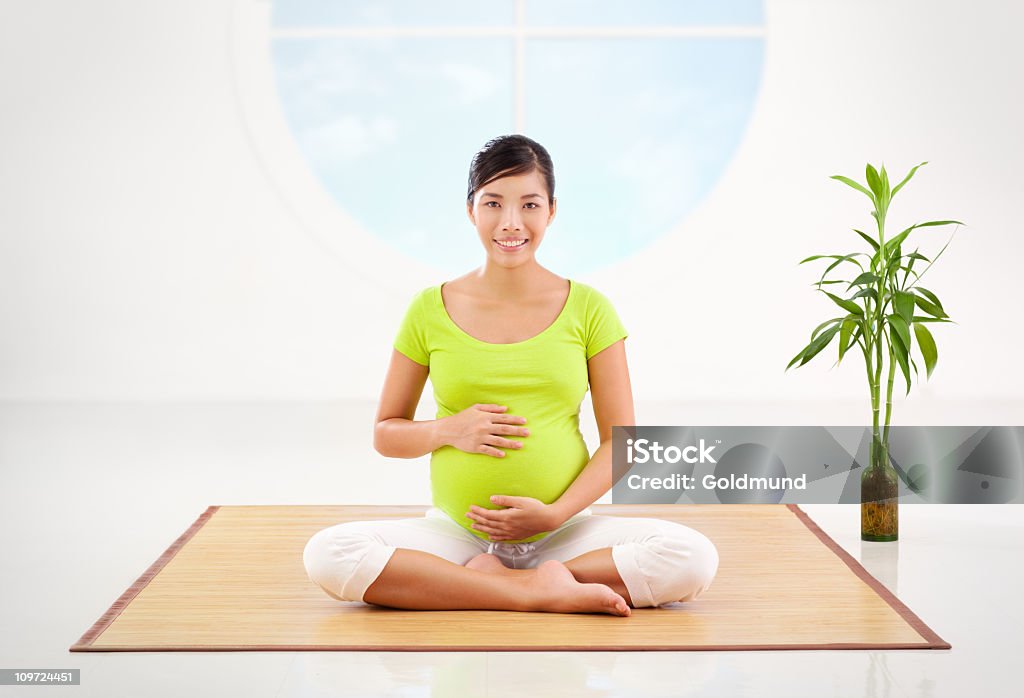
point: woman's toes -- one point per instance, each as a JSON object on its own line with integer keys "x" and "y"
{"x": 620, "y": 605}
{"x": 559, "y": 591}
{"x": 610, "y": 599}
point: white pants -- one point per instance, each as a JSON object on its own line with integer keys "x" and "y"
{"x": 659, "y": 561}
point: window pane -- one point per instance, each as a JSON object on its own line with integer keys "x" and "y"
{"x": 640, "y": 129}
{"x": 390, "y": 126}
{"x": 374, "y": 13}
{"x": 586, "y": 13}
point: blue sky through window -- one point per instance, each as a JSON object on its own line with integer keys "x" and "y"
{"x": 640, "y": 128}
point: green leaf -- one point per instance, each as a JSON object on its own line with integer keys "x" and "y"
{"x": 896, "y": 241}
{"x": 913, "y": 256}
{"x": 889, "y": 244}
{"x": 931, "y": 296}
{"x": 819, "y": 327}
{"x": 935, "y": 260}
{"x": 939, "y": 254}
{"x": 922, "y": 318}
{"x": 844, "y": 258}
{"x": 845, "y": 333}
{"x": 874, "y": 181}
{"x": 904, "y": 304}
{"x": 898, "y": 350}
{"x": 900, "y": 326}
{"x": 812, "y": 349}
{"x": 871, "y": 241}
{"x": 929, "y": 307}
{"x": 856, "y": 335}
{"x": 931, "y": 223}
{"x": 839, "y": 260}
{"x": 894, "y": 264}
{"x": 847, "y": 305}
{"x": 817, "y": 256}
{"x": 818, "y": 344}
{"x": 905, "y": 180}
{"x": 916, "y": 255}
{"x": 796, "y": 358}
{"x": 865, "y": 278}
{"x": 927, "y": 344}
{"x": 855, "y": 185}
{"x": 866, "y": 292}
{"x": 910, "y": 271}
{"x": 912, "y": 259}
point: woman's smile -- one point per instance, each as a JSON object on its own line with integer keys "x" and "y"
{"x": 512, "y": 244}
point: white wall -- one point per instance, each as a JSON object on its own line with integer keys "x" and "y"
{"x": 150, "y": 250}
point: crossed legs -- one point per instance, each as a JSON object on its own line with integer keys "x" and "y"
{"x": 595, "y": 564}
{"x": 419, "y": 580}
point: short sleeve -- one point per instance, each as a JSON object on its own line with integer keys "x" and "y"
{"x": 603, "y": 326}
{"x": 411, "y": 338}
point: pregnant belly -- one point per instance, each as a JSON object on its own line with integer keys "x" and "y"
{"x": 543, "y": 469}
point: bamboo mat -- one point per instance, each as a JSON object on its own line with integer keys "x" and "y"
{"x": 235, "y": 581}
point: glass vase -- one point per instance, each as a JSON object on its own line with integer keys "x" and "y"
{"x": 879, "y": 500}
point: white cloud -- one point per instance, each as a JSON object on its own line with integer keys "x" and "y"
{"x": 473, "y": 84}
{"x": 348, "y": 138}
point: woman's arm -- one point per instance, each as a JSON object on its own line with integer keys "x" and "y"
{"x": 480, "y": 428}
{"x": 612, "y": 396}
{"x": 395, "y": 434}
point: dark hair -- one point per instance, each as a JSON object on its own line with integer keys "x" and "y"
{"x": 509, "y": 155}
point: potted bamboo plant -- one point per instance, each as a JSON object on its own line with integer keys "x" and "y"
{"x": 880, "y": 319}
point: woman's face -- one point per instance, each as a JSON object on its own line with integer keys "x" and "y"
{"x": 512, "y": 210}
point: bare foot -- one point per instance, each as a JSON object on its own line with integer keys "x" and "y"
{"x": 553, "y": 588}
{"x": 486, "y": 562}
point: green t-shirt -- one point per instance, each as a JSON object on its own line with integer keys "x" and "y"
{"x": 543, "y": 379}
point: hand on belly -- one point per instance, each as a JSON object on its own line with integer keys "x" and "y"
{"x": 523, "y": 517}
{"x": 484, "y": 428}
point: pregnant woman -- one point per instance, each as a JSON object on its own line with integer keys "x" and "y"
{"x": 510, "y": 349}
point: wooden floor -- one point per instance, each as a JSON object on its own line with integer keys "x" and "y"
{"x": 235, "y": 581}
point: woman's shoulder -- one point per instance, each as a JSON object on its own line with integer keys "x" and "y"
{"x": 423, "y": 294}
{"x": 420, "y": 302}
{"x": 590, "y": 295}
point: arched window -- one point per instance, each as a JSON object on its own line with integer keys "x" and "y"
{"x": 641, "y": 104}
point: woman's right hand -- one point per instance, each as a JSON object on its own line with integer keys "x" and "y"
{"x": 481, "y": 428}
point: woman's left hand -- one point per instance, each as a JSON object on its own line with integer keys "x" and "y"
{"x": 524, "y": 517}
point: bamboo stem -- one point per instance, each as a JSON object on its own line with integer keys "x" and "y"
{"x": 888, "y": 397}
